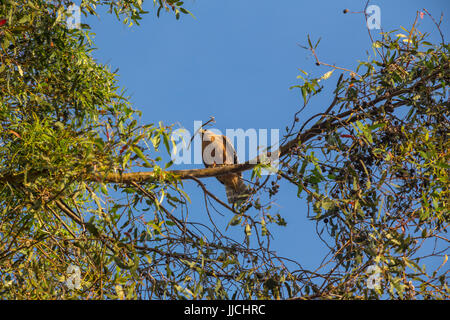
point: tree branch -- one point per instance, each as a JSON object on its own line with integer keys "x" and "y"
{"x": 351, "y": 115}
{"x": 334, "y": 123}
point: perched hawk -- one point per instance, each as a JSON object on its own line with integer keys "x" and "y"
{"x": 217, "y": 150}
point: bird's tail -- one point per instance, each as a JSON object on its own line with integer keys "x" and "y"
{"x": 238, "y": 194}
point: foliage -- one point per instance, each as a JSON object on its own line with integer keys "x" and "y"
{"x": 373, "y": 167}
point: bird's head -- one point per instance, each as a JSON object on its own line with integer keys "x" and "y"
{"x": 207, "y": 135}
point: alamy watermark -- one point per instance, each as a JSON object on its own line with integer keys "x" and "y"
{"x": 251, "y": 145}
{"x": 373, "y": 281}
{"x": 73, "y": 20}
{"x": 373, "y": 16}
{"x": 74, "y": 277}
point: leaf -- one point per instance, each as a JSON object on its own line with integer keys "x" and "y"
{"x": 377, "y": 44}
{"x": 327, "y": 75}
{"x": 327, "y": 204}
{"x": 119, "y": 291}
{"x": 156, "y": 140}
{"x": 122, "y": 265}
{"x": 317, "y": 43}
{"x": 248, "y": 229}
{"x": 304, "y": 72}
{"x": 19, "y": 68}
{"x": 125, "y": 159}
{"x": 15, "y": 133}
{"x": 309, "y": 42}
{"x": 360, "y": 126}
{"x": 443, "y": 165}
{"x": 235, "y": 220}
{"x": 92, "y": 229}
{"x": 103, "y": 188}
{"x": 166, "y": 142}
{"x": 140, "y": 154}
{"x": 304, "y": 93}
{"x": 376, "y": 126}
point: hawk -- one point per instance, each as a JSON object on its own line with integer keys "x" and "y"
{"x": 217, "y": 150}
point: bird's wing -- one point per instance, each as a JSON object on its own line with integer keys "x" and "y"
{"x": 231, "y": 154}
{"x": 232, "y": 157}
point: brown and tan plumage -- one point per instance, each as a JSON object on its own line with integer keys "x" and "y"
{"x": 217, "y": 150}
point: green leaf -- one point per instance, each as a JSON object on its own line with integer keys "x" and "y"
{"x": 304, "y": 93}
{"x": 92, "y": 229}
{"x": 141, "y": 155}
{"x": 327, "y": 204}
{"x": 235, "y": 220}
{"x": 19, "y": 68}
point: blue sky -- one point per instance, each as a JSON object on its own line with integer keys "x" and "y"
{"x": 236, "y": 61}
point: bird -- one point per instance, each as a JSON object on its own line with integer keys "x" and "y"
{"x": 217, "y": 151}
